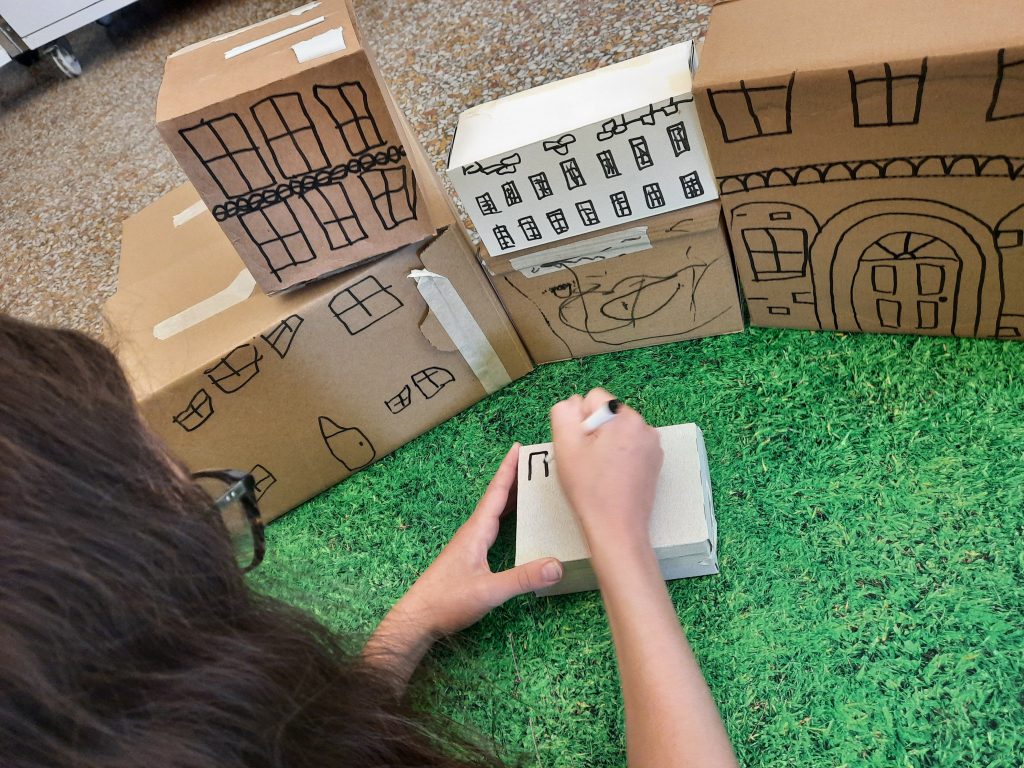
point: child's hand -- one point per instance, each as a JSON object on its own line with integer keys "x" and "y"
{"x": 608, "y": 476}
{"x": 458, "y": 588}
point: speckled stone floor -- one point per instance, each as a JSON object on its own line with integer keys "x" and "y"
{"x": 79, "y": 156}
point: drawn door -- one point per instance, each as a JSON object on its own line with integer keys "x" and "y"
{"x": 907, "y": 281}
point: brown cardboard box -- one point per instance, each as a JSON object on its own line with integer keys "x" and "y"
{"x": 663, "y": 279}
{"x": 290, "y": 136}
{"x": 870, "y": 158}
{"x": 303, "y": 388}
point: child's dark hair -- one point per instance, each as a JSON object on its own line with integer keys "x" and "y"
{"x": 128, "y": 635}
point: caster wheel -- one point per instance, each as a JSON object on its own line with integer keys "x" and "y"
{"x": 59, "y": 52}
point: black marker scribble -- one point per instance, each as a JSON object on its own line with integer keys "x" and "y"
{"x": 280, "y": 337}
{"x": 502, "y": 167}
{"x": 542, "y": 457}
{"x": 236, "y": 369}
{"x": 199, "y": 409}
{"x": 620, "y": 124}
{"x": 347, "y": 444}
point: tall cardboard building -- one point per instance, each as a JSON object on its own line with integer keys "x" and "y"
{"x": 870, "y": 159}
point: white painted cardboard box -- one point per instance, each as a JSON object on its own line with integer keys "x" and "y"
{"x": 683, "y": 528}
{"x": 613, "y": 145}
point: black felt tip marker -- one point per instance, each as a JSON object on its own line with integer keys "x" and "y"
{"x": 602, "y": 415}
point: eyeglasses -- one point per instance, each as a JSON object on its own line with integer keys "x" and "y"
{"x": 233, "y": 494}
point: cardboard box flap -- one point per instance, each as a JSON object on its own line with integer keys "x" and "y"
{"x": 637, "y": 236}
{"x": 837, "y": 34}
{"x": 559, "y": 107}
{"x": 255, "y": 56}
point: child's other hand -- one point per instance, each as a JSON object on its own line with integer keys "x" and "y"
{"x": 458, "y": 588}
{"x": 608, "y": 476}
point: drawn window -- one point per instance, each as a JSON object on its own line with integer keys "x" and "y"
{"x": 750, "y": 112}
{"x": 541, "y": 187}
{"x": 393, "y": 197}
{"x": 678, "y": 139}
{"x": 333, "y": 210}
{"x": 1008, "y": 92}
{"x": 557, "y": 220}
{"x": 776, "y": 253}
{"x": 511, "y": 192}
{"x": 620, "y": 204}
{"x": 607, "y": 161}
{"x": 281, "y": 336}
{"x": 653, "y": 195}
{"x": 289, "y": 132}
{"x": 276, "y": 232}
{"x": 486, "y": 204}
{"x": 263, "y": 478}
{"x": 691, "y": 185}
{"x": 588, "y": 215}
{"x": 432, "y": 380}
{"x": 349, "y": 108}
{"x": 641, "y": 152}
{"x": 529, "y": 227}
{"x": 236, "y": 369}
{"x": 889, "y": 98}
{"x": 227, "y": 151}
{"x": 364, "y": 303}
{"x": 198, "y": 410}
{"x": 401, "y": 401}
{"x": 501, "y": 234}
{"x": 571, "y": 171}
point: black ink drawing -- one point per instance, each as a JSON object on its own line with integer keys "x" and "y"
{"x": 364, "y": 303}
{"x": 336, "y": 216}
{"x": 888, "y": 99}
{"x": 289, "y": 133}
{"x": 557, "y": 220}
{"x": 542, "y": 460}
{"x": 691, "y": 185}
{"x": 530, "y": 229}
{"x": 349, "y": 108}
{"x": 236, "y": 369}
{"x": 432, "y": 380}
{"x": 504, "y": 237}
{"x": 401, "y": 401}
{"x": 541, "y": 187}
{"x": 620, "y": 124}
{"x": 200, "y": 408}
{"x": 511, "y": 192}
{"x": 486, "y": 204}
{"x": 588, "y": 215}
{"x": 226, "y": 150}
{"x": 916, "y": 167}
{"x": 893, "y": 264}
{"x": 392, "y": 194}
{"x": 1008, "y": 92}
{"x": 502, "y": 167}
{"x": 653, "y": 196}
{"x": 573, "y": 176}
{"x": 749, "y": 112}
{"x": 281, "y": 336}
{"x": 641, "y": 152}
{"x": 608, "y": 166}
{"x": 347, "y": 444}
{"x": 560, "y": 146}
{"x": 263, "y": 478}
{"x": 678, "y": 138}
{"x": 277, "y": 235}
{"x": 620, "y": 204}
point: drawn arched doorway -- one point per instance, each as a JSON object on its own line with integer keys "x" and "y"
{"x": 908, "y": 266}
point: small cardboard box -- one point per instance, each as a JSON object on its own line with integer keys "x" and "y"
{"x": 869, "y": 158}
{"x": 663, "y": 279}
{"x": 603, "y": 148}
{"x": 683, "y": 528}
{"x": 304, "y": 388}
{"x": 294, "y": 143}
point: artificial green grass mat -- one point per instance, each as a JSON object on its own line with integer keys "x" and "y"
{"x": 870, "y": 500}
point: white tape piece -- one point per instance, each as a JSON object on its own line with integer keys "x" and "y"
{"x": 457, "y": 321}
{"x": 189, "y": 213}
{"x": 331, "y": 41}
{"x": 228, "y": 35}
{"x": 575, "y": 254}
{"x": 238, "y": 50}
{"x": 239, "y": 290}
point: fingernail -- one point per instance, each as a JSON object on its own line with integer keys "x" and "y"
{"x": 552, "y": 571}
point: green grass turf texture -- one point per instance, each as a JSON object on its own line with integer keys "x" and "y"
{"x": 870, "y": 499}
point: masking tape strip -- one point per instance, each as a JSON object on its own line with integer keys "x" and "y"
{"x": 189, "y": 213}
{"x": 331, "y": 41}
{"x": 228, "y": 35}
{"x": 593, "y": 249}
{"x": 457, "y": 321}
{"x": 239, "y": 290}
{"x": 246, "y": 47}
